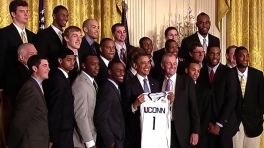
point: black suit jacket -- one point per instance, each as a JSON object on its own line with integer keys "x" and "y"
{"x": 29, "y": 128}
{"x": 250, "y": 109}
{"x": 49, "y": 44}
{"x": 60, "y": 104}
{"x": 102, "y": 76}
{"x": 10, "y": 40}
{"x": 186, "y": 116}
{"x": 128, "y": 75}
{"x": 85, "y": 48}
{"x": 133, "y": 89}
{"x": 116, "y": 57}
{"x": 108, "y": 117}
{"x": 15, "y": 80}
{"x": 184, "y": 52}
{"x": 224, "y": 89}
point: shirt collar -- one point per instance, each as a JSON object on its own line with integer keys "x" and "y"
{"x": 19, "y": 29}
{"x": 140, "y": 78}
{"x": 39, "y": 83}
{"x": 244, "y": 74}
{"x": 228, "y": 65}
{"x": 90, "y": 42}
{"x": 119, "y": 47}
{"x": 113, "y": 83}
{"x": 173, "y": 77}
{"x": 55, "y": 29}
{"x": 90, "y": 78}
{"x": 201, "y": 38}
{"x": 134, "y": 72}
{"x": 105, "y": 60}
{"x": 65, "y": 73}
{"x": 214, "y": 68}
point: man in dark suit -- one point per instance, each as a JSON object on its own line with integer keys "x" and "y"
{"x": 203, "y": 97}
{"x": 11, "y": 37}
{"x": 230, "y": 61}
{"x": 73, "y": 38}
{"x": 91, "y": 32}
{"x": 60, "y": 102}
{"x": 49, "y": 42}
{"x": 133, "y": 97}
{"x": 108, "y": 115}
{"x": 146, "y": 44}
{"x": 170, "y": 33}
{"x": 20, "y": 74}
{"x": 222, "y": 81}
{"x": 107, "y": 53}
{"x": 250, "y": 103}
{"x": 29, "y": 128}
{"x": 122, "y": 49}
{"x": 185, "y": 123}
{"x": 171, "y": 46}
{"x": 202, "y": 36}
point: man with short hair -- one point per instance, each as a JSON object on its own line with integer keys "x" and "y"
{"x": 11, "y": 37}
{"x": 85, "y": 90}
{"x": 203, "y": 97}
{"x": 250, "y": 104}
{"x": 122, "y": 49}
{"x": 146, "y": 44}
{"x": 222, "y": 80}
{"x": 202, "y": 36}
{"x": 60, "y": 102}
{"x": 91, "y": 33}
{"x": 20, "y": 74}
{"x": 230, "y": 61}
{"x": 29, "y": 128}
{"x": 49, "y": 41}
{"x": 197, "y": 53}
{"x": 107, "y": 53}
{"x": 108, "y": 115}
{"x": 185, "y": 125}
{"x": 73, "y": 38}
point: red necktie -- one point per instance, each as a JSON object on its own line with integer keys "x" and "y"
{"x": 211, "y": 76}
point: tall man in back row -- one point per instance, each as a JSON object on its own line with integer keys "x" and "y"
{"x": 202, "y": 36}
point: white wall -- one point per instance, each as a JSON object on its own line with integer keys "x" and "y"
{"x": 151, "y": 17}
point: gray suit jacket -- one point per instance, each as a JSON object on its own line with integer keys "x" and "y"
{"x": 84, "y": 103}
{"x": 29, "y": 128}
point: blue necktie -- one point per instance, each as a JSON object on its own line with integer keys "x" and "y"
{"x": 146, "y": 88}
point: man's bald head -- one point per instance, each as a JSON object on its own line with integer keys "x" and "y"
{"x": 91, "y": 29}
{"x": 25, "y": 51}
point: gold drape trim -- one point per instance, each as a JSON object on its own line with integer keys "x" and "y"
{"x": 223, "y": 8}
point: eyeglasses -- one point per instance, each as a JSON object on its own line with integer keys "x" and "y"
{"x": 199, "y": 52}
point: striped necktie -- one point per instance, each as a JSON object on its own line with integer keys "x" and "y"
{"x": 23, "y": 37}
{"x": 204, "y": 45}
{"x": 242, "y": 85}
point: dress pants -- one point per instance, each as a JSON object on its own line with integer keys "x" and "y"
{"x": 240, "y": 140}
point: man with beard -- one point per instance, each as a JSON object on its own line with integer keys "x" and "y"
{"x": 73, "y": 37}
{"x": 250, "y": 102}
{"x": 223, "y": 82}
{"x": 91, "y": 32}
{"x": 230, "y": 61}
{"x": 202, "y": 36}
{"x": 84, "y": 90}
{"x": 108, "y": 114}
{"x": 122, "y": 49}
{"x": 49, "y": 42}
{"x": 107, "y": 53}
{"x": 59, "y": 100}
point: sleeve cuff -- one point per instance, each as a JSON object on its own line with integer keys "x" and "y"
{"x": 219, "y": 124}
{"x": 133, "y": 110}
{"x": 90, "y": 144}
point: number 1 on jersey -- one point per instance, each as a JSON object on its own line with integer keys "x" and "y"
{"x": 154, "y": 120}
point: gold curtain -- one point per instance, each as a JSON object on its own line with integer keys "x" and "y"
{"x": 107, "y": 12}
{"x": 245, "y": 27}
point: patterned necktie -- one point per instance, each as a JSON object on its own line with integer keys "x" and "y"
{"x": 243, "y": 85}
{"x": 76, "y": 67}
{"x": 122, "y": 56}
{"x": 93, "y": 49}
{"x": 146, "y": 88}
{"x": 211, "y": 76}
{"x": 204, "y": 45}
{"x": 168, "y": 85}
{"x": 23, "y": 37}
{"x": 95, "y": 86}
{"x": 60, "y": 36}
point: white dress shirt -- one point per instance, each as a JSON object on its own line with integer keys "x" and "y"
{"x": 141, "y": 81}
{"x": 119, "y": 47}
{"x": 214, "y": 68}
{"x": 244, "y": 74}
{"x": 201, "y": 38}
{"x": 64, "y": 72}
{"x": 133, "y": 71}
{"x": 58, "y": 32}
{"x": 20, "y": 31}
{"x": 105, "y": 60}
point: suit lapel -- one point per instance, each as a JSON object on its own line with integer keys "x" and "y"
{"x": 137, "y": 85}
{"x": 218, "y": 73}
{"x": 152, "y": 86}
{"x": 88, "y": 81}
{"x": 16, "y": 34}
{"x": 249, "y": 82}
{"x": 55, "y": 35}
{"x": 116, "y": 91}
{"x": 39, "y": 90}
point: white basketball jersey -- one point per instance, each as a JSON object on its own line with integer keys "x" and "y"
{"x": 155, "y": 120}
